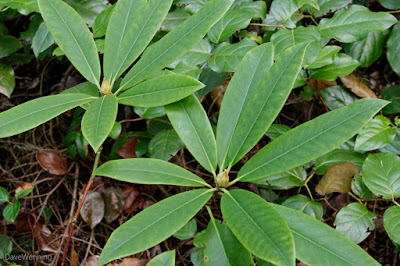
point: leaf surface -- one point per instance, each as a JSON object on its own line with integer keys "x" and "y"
{"x": 165, "y": 259}
{"x": 393, "y": 49}
{"x": 337, "y": 178}
{"x": 305, "y": 205}
{"x": 165, "y": 144}
{"x": 391, "y": 222}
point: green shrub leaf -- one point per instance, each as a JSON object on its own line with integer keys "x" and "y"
{"x": 390, "y": 4}
{"x": 308, "y": 141}
{"x": 393, "y": 49}
{"x": 3, "y": 195}
{"x": 391, "y": 222}
{"x": 154, "y": 224}
{"x": 10, "y": 211}
{"x": 341, "y": 65}
{"x": 165, "y": 259}
{"x": 41, "y": 40}
{"x": 325, "y": 57}
{"x": 338, "y": 156}
{"x": 305, "y": 205}
{"x": 165, "y": 144}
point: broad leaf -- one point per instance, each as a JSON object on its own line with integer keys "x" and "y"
{"x": 391, "y": 222}
{"x": 92, "y": 211}
{"x": 160, "y": 91}
{"x": 238, "y": 93}
{"x": 131, "y": 28}
{"x": 88, "y": 9}
{"x": 73, "y": 36}
{"x": 99, "y": 119}
{"x": 264, "y": 104}
{"x": 188, "y": 231}
{"x": 342, "y": 65}
{"x": 393, "y": 49}
{"x": 35, "y": 112}
{"x": 25, "y": 7}
{"x": 360, "y": 189}
{"x": 166, "y": 259}
{"x": 165, "y": 145}
{"x": 305, "y": 205}
{"x": 11, "y": 210}
{"x": 285, "y": 180}
{"x": 376, "y": 134}
{"x": 7, "y": 80}
{"x": 100, "y": 24}
{"x": 114, "y": 202}
{"x": 325, "y": 57}
{"x": 285, "y": 12}
{"x": 338, "y": 156}
{"x": 381, "y": 174}
{"x": 368, "y": 50}
{"x": 6, "y": 246}
{"x": 325, "y": 6}
{"x": 319, "y": 244}
{"x": 176, "y": 43}
{"x": 174, "y": 18}
{"x": 226, "y": 57}
{"x": 392, "y": 94}
{"x": 3, "y": 195}
{"x": 154, "y": 224}
{"x": 337, "y": 178}
{"x": 41, "y": 40}
{"x": 355, "y": 222}
{"x": 149, "y": 171}
{"x": 354, "y": 24}
{"x": 8, "y": 45}
{"x": 390, "y": 4}
{"x": 275, "y": 130}
{"x": 191, "y": 123}
{"x": 198, "y": 55}
{"x": 337, "y": 96}
{"x": 308, "y": 141}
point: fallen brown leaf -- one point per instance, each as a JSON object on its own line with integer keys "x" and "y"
{"x": 74, "y": 260}
{"x": 91, "y": 261}
{"x": 114, "y": 203}
{"x": 92, "y": 210}
{"x": 52, "y": 162}
{"x": 218, "y": 93}
{"x": 45, "y": 239}
{"x": 337, "y": 178}
{"x": 129, "y": 149}
{"x": 320, "y": 84}
{"x": 130, "y": 194}
{"x": 357, "y": 86}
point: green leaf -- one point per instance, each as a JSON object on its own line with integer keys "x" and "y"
{"x": 100, "y": 24}
{"x": 198, "y": 55}
{"x": 8, "y": 45}
{"x": 160, "y": 91}
{"x": 3, "y": 195}
{"x": 393, "y": 49}
{"x": 390, "y": 4}
{"x": 355, "y": 222}
{"x": 337, "y": 96}
{"x": 88, "y": 9}
{"x": 35, "y": 112}
{"x": 318, "y": 244}
{"x": 391, "y": 222}
{"x": 150, "y": 113}
{"x": 5, "y": 246}
{"x": 284, "y": 12}
{"x": 338, "y": 156}
{"x": 191, "y": 123}
{"x": 131, "y": 28}
{"x": 360, "y": 189}
{"x": 354, "y": 24}
{"x": 154, "y": 224}
{"x": 99, "y": 119}
{"x": 20, "y": 192}
{"x": 325, "y": 6}
{"x": 174, "y": 18}
{"x": 342, "y": 65}
{"x": 264, "y": 104}
{"x": 166, "y": 258}
{"x": 381, "y": 174}
{"x": 394, "y": 146}
{"x": 149, "y": 171}
{"x": 7, "y": 80}
{"x": 285, "y": 38}
{"x": 325, "y": 56}
{"x": 85, "y": 88}
{"x": 305, "y": 205}
{"x": 73, "y": 36}
{"x": 41, "y": 40}
{"x": 258, "y": 227}
{"x": 115, "y": 131}
{"x": 392, "y": 94}
{"x": 308, "y": 141}
{"x": 367, "y": 50}
{"x": 275, "y": 130}
{"x": 220, "y": 247}
{"x": 188, "y": 231}
{"x": 176, "y": 43}
{"x": 25, "y": 7}
{"x": 376, "y": 134}
{"x": 10, "y": 212}
{"x": 165, "y": 145}
{"x": 285, "y": 180}
{"x": 251, "y": 71}
{"x": 226, "y": 57}
{"x": 211, "y": 79}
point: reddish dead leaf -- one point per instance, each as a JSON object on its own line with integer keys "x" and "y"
{"x": 320, "y": 84}
{"x": 114, "y": 203}
{"x": 130, "y": 262}
{"x": 129, "y": 149}
{"x": 52, "y": 162}
{"x": 74, "y": 260}
{"x": 218, "y": 93}
{"x": 99, "y": 183}
{"x": 357, "y": 86}
{"x": 92, "y": 210}
{"x": 130, "y": 194}
{"x": 45, "y": 239}
{"x": 147, "y": 204}
{"x": 25, "y": 222}
{"x": 337, "y": 178}
{"x": 92, "y": 261}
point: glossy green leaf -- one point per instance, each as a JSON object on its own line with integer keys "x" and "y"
{"x": 191, "y": 123}
{"x": 285, "y": 180}
{"x": 360, "y": 189}
{"x": 305, "y": 205}
{"x": 355, "y": 222}
{"x": 239, "y": 91}
{"x": 131, "y": 28}
{"x": 338, "y": 156}
{"x": 5, "y": 246}
{"x": 392, "y": 94}
{"x": 381, "y": 174}
{"x": 8, "y": 45}
{"x": 337, "y": 96}
{"x": 308, "y": 141}
{"x": 35, "y": 112}
{"x": 115, "y": 131}
{"x": 325, "y": 57}
{"x": 283, "y": 12}
{"x": 187, "y": 69}
{"x": 88, "y": 9}
{"x": 264, "y": 104}
{"x": 41, "y": 40}
{"x": 369, "y": 49}
{"x": 176, "y": 43}
{"x": 319, "y": 244}
{"x": 394, "y": 146}
{"x": 164, "y": 259}
{"x": 32, "y": 28}
{"x": 10, "y": 211}
{"x": 211, "y": 79}
{"x": 393, "y": 49}
{"x": 226, "y": 57}
{"x": 376, "y": 134}
{"x": 3, "y": 195}
{"x": 188, "y": 231}
{"x": 154, "y": 224}
{"x": 198, "y": 55}
{"x": 85, "y": 88}
{"x": 354, "y": 24}
{"x": 275, "y": 130}
{"x": 160, "y": 91}
{"x": 20, "y": 192}
{"x": 258, "y": 227}
{"x": 285, "y": 38}
{"x": 25, "y": 7}
{"x": 165, "y": 145}
{"x": 149, "y": 171}
{"x": 174, "y": 18}
{"x": 325, "y": 6}
{"x": 7, "y": 80}
{"x": 219, "y": 246}
{"x": 73, "y": 36}
{"x": 100, "y": 24}
{"x": 391, "y": 222}
{"x": 390, "y": 4}
{"x": 342, "y": 65}
{"x": 99, "y": 119}
{"x": 150, "y": 113}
